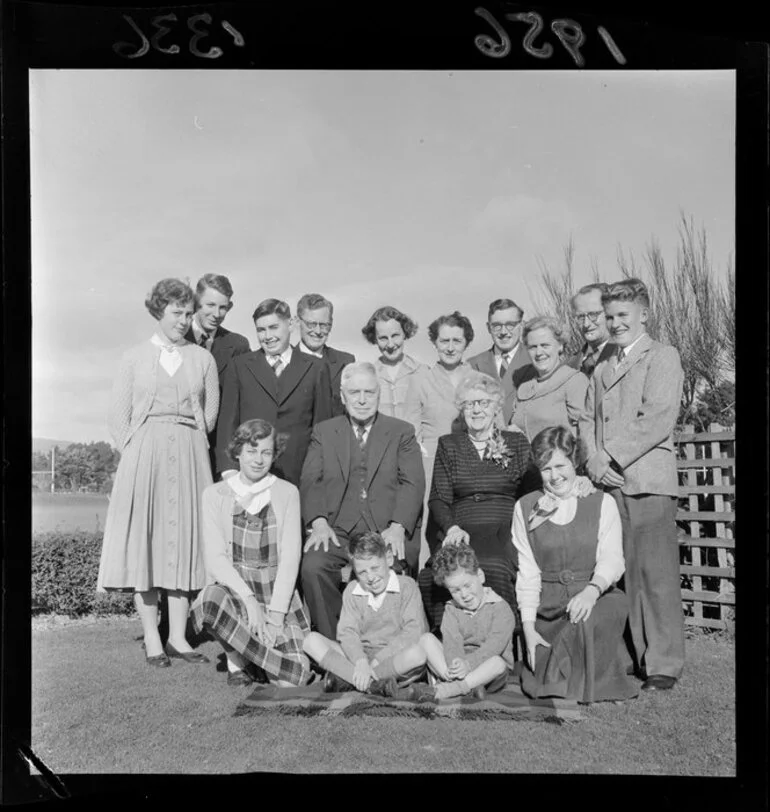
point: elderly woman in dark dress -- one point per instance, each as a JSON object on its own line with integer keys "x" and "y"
{"x": 478, "y": 475}
{"x": 569, "y": 540}
{"x": 252, "y": 543}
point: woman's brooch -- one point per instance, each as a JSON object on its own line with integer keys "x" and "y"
{"x": 497, "y": 450}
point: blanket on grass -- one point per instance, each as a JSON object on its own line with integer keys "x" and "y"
{"x": 509, "y": 703}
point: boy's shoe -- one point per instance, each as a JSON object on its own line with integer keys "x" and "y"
{"x": 389, "y": 688}
{"x": 480, "y": 692}
{"x": 238, "y": 678}
{"x": 423, "y": 693}
{"x": 335, "y": 685}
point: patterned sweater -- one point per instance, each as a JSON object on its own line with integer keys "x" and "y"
{"x": 363, "y": 631}
{"x": 477, "y": 636}
{"x": 134, "y": 388}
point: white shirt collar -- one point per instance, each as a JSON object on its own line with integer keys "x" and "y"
{"x": 367, "y": 427}
{"x": 628, "y": 349}
{"x": 588, "y": 350}
{"x": 308, "y": 351}
{"x": 260, "y": 491}
{"x": 508, "y": 355}
{"x": 376, "y": 601}
{"x": 285, "y": 356}
{"x": 490, "y": 596}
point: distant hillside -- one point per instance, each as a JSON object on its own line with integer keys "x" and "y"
{"x": 42, "y": 445}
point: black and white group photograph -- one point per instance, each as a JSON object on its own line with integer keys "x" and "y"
{"x": 383, "y": 421}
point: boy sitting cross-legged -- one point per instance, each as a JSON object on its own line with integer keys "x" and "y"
{"x": 477, "y": 631}
{"x": 379, "y": 628}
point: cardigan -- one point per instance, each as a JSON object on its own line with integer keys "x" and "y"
{"x": 396, "y": 625}
{"x": 217, "y": 507}
{"x": 136, "y": 381}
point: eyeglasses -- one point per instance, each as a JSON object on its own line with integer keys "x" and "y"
{"x": 510, "y": 326}
{"x": 321, "y": 326}
{"x": 468, "y": 405}
{"x": 594, "y": 316}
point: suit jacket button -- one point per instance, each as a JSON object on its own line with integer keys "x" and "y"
{"x": 606, "y": 420}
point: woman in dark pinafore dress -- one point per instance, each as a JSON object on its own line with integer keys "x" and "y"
{"x": 570, "y": 558}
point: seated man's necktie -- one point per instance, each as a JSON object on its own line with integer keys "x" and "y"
{"x": 278, "y": 367}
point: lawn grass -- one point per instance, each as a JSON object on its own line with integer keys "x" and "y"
{"x": 97, "y": 708}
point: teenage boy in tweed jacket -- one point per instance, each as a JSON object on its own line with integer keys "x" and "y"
{"x": 379, "y": 629}
{"x": 631, "y": 410}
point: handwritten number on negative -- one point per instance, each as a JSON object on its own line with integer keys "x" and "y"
{"x": 195, "y": 24}
{"x": 536, "y": 26}
{"x": 212, "y": 53}
{"x": 486, "y": 44}
{"x": 121, "y": 48}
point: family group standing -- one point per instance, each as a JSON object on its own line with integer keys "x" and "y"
{"x": 279, "y": 498}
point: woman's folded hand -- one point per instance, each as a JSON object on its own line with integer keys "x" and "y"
{"x": 456, "y": 535}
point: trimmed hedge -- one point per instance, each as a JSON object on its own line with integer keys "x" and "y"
{"x": 64, "y": 571}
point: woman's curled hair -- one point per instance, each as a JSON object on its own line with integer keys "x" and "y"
{"x": 478, "y": 380}
{"x": 455, "y": 319}
{"x": 387, "y": 313}
{"x": 251, "y": 432}
{"x": 165, "y": 292}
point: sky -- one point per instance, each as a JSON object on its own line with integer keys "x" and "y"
{"x": 430, "y": 191}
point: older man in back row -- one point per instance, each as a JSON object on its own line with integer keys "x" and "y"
{"x": 363, "y": 471}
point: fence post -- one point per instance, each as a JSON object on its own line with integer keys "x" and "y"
{"x": 725, "y": 586}
{"x": 692, "y": 504}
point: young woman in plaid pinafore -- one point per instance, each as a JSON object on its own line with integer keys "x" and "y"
{"x": 252, "y": 545}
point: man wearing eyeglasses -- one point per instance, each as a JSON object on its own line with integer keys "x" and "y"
{"x": 507, "y": 360}
{"x": 363, "y": 471}
{"x": 588, "y": 312}
{"x": 315, "y": 316}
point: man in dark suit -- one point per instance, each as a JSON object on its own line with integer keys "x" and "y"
{"x": 363, "y": 471}
{"x": 508, "y": 359}
{"x": 277, "y": 383}
{"x": 213, "y": 301}
{"x": 315, "y": 315}
{"x": 588, "y": 312}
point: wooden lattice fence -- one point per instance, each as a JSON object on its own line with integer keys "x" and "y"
{"x": 706, "y": 516}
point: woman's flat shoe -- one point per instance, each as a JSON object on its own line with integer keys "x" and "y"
{"x": 187, "y": 656}
{"x": 158, "y": 661}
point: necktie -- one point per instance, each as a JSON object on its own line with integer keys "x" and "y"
{"x": 589, "y": 363}
{"x": 360, "y": 434}
{"x": 278, "y": 367}
{"x": 503, "y": 366}
{"x": 621, "y": 356}
{"x": 203, "y": 339}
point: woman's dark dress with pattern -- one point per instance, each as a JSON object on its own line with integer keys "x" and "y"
{"x": 222, "y": 612}
{"x": 478, "y": 495}
{"x": 587, "y": 661}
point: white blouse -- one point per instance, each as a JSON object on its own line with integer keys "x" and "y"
{"x": 610, "y": 564}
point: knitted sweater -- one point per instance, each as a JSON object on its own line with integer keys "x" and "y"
{"x": 477, "y": 636}
{"x": 363, "y": 631}
{"x": 135, "y": 384}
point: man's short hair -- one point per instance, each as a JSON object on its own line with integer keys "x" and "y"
{"x": 627, "y": 290}
{"x": 270, "y": 306}
{"x": 217, "y": 282}
{"x": 349, "y": 370}
{"x": 368, "y": 545}
{"x": 314, "y": 301}
{"x": 602, "y": 287}
{"x": 503, "y": 304}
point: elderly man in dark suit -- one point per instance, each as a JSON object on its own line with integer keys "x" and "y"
{"x": 363, "y": 471}
{"x": 213, "y": 301}
{"x": 279, "y": 384}
{"x": 507, "y": 360}
{"x": 631, "y": 411}
{"x": 315, "y": 315}
{"x": 588, "y": 312}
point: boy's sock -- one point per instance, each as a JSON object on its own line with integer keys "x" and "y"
{"x": 447, "y": 690}
{"x": 235, "y": 661}
{"x": 338, "y": 664}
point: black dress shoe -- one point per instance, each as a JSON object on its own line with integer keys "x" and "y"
{"x": 187, "y": 656}
{"x": 335, "y": 685}
{"x": 158, "y": 661}
{"x": 238, "y": 678}
{"x": 658, "y": 682}
{"x": 480, "y": 692}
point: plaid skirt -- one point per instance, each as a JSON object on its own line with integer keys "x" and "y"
{"x": 222, "y": 612}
